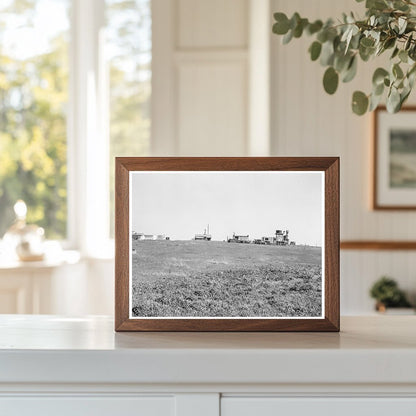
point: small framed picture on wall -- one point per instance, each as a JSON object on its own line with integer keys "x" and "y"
{"x": 394, "y": 159}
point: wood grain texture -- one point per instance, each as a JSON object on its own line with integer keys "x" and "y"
{"x": 376, "y": 204}
{"x": 378, "y": 245}
{"x": 330, "y": 165}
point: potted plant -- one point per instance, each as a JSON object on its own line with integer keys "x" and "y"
{"x": 387, "y": 294}
{"x": 389, "y": 27}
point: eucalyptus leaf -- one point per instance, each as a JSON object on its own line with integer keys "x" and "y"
{"x": 393, "y": 101}
{"x": 327, "y": 53}
{"x": 408, "y": 42}
{"x": 314, "y": 27}
{"x": 397, "y": 71}
{"x": 330, "y": 80}
{"x": 395, "y": 52}
{"x": 378, "y": 89}
{"x": 341, "y": 62}
{"x": 374, "y": 102}
{"x": 359, "y": 103}
{"x": 288, "y": 37}
{"x": 403, "y": 56}
{"x": 389, "y": 43}
{"x": 376, "y": 4}
{"x": 402, "y": 22}
{"x": 281, "y": 27}
{"x": 351, "y": 70}
{"x": 315, "y": 50}
{"x": 379, "y": 75}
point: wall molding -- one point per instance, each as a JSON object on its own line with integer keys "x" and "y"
{"x": 378, "y": 245}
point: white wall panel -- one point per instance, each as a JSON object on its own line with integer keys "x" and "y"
{"x": 200, "y": 77}
{"x": 212, "y": 24}
{"x": 212, "y": 108}
{"x": 308, "y": 122}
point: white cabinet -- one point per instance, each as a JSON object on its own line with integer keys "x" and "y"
{"x": 88, "y": 406}
{"x": 79, "y": 366}
{"x": 269, "y": 406}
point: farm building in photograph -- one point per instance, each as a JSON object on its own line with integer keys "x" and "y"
{"x": 206, "y": 236}
{"x": 141, "y": 236}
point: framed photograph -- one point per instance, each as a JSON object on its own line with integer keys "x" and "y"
{"x": 227, "y": 244}
{"x": 394, "y": 159}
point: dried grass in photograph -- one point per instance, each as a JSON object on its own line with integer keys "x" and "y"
{"x": 220, "y": 279}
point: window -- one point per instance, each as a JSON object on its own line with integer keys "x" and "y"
{"x": 75, "y": 87}
{"x": 33, "y": 98}
{"x": 129, "y": 43}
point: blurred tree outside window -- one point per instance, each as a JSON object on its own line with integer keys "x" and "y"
{"x": 34, "y": 94}
{"x": 129, "y": 51}
{"x": 33, "y": 101}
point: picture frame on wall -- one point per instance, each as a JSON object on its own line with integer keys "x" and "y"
{"x": 227, "y": 244}
{"x": 394, "y": 159}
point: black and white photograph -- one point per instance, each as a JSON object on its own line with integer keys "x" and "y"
{"x": 228, "y": 244}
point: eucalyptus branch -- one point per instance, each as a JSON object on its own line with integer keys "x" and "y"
{"x": 388, "y": 25}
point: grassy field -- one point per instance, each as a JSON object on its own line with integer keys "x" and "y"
{"x": 199, "y": 278}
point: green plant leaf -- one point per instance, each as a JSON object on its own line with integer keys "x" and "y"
{"x": 408, "y": 42}
{"x": 288, "y": 37}
{"x": 393, "y": 101}
{"x": 330, "y": 80}
{"x": 327, "y": 53}
{"x": 367, "y": 42}
{"x": 403, "y": 56}
{"x": 314, "y": 27}
{"x": 376, "y": 4}
{"x": 281, "y": 27}
{"x": 359, "y": 103}
{"x": 351, "y": 71}
{"x": 397, "y": 71}
{"x": 341, "y": 61}
{"x": 374, "y": 102}
{"x": 389, "y": 43}
{"x": 379, "y": 75}
{"x": 315, "y": 50}
{"x": 395, "y": 52}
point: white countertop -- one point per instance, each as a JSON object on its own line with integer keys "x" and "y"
{"x": 53, "y": 349}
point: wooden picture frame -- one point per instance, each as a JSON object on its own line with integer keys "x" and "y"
{"x": 394, "y": 184}
{"x": 275, "y": 168}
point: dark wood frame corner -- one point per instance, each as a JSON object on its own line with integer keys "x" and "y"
{"x": 329, "y": 165}
{"x": 375, "y": 205}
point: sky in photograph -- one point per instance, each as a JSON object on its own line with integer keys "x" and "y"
{"x": 182, "y": 204}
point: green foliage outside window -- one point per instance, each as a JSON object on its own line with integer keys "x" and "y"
{"x": 33, "y": 99}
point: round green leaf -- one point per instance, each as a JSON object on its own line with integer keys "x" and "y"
{"x": 374, "y": 102}
{"x": 327, "y": 54}
{"x": 393, "y": 101}
{"x": 403, "y": 56}
{"x": 397, "y": 71}
{"x": 367, "y": 42}
{"x": 315, "y": 50}
{"x": 379, "y": 75}
{"x": 351, "y": 71}
{"x": 395, "y": 52}
{"x": 330, "y": 80}
{"x": 282, "y": 25}
{"x": 288, "y": 37}
{"x": 314, "y": 27}
{"x": 359, "y": 103}
{"x": 378, "y": 90}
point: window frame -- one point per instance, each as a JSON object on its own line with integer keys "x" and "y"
{"x": 87, "y": 133}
